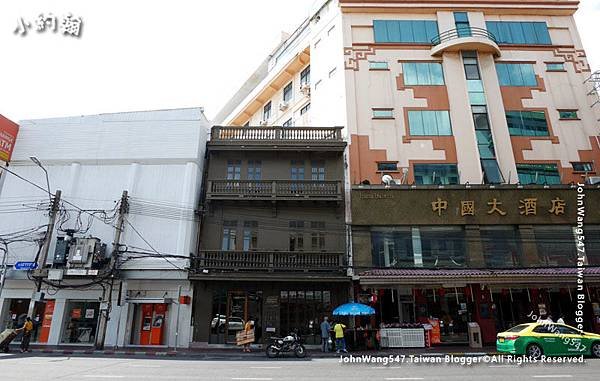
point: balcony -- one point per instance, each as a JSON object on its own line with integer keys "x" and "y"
{"x": 274, "y": 190}
{"x": 277, "y": 138}
{"x": 465, "y": 38}
{"x": 269, "y": 261}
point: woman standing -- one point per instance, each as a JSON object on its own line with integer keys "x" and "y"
{"x": 248, "y": 329}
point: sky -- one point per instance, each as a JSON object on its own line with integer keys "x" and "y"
{"x": 153, "y": 54}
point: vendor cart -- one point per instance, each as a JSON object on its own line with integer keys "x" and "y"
{"x": 6, "y": 337}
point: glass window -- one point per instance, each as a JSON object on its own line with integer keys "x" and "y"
{"x": 305, "y": 76}
{"x": 552, "y": 66}
{"x": 288, "y": 92}
{"x": 592, "y": 244}
{"x": 267, "y": 111}
{"x": 234, "y": 169}
{"x": 501, "y": 246}
{"x": 305, "y": 109}
{"x": 422, "y": 73}
{"x": 485, "y": 143}
{"x": 250, "y": 235}
{"x": 296, "y": 235}
{"x": 383, "y": 113}
{"x": 443, "y": 246}
{"x": 288, "y": 123}
{"x": 556, "y": 245}
{"x": 515, "y": 74}
{"x": 378, "y": 65}
{"x": 491, "y": 171}
{"x": 583, "y": 167}
{"x": 480, "y": 117}
{"x": 317, "y": 170}
{"x": 427, "y": 174}
{"x": 229, "y": 235}
{"x": 317, "y": 236}
{"x": 81, "y": 322}
{"x": 297, "y": 170}
{"x": 254, "y": 169}
{"x": 538, "y": 174}
{"x": 568, "y": 114}
{"x": 429, "y": 123}
{"x": 392, "y": 247}
{"x": 510, "y": 32}
{"x": 472, "y": 71}
{"x": 387, "y": 166}
{"x": 527, "y": 123}
{"x": 405, "y": 31}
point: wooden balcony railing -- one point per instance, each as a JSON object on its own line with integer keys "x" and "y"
{"x": 277, "y": 133}
{"x": 274, "y": 189}
{"x": 300, "y": 261}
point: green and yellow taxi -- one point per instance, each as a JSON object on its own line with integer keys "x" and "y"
{"x": 549, "y": 339}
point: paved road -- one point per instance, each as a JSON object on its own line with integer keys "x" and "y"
{"x": 33, "y": 368}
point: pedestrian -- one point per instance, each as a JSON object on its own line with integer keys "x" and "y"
{"x": 248, "y": 329}
{"x": 325, "y": 328}
{"x": 27, "y": 329}
{"x": 340, "y": 341}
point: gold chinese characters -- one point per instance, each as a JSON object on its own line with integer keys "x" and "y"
{"x": 527, "y": 207}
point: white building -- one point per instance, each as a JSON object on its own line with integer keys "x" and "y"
{"x": 157, "y": 156}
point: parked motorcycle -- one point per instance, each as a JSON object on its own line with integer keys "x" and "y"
{"x": 290, "y": 343}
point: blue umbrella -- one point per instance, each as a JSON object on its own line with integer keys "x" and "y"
{"x": 353, "y": 309}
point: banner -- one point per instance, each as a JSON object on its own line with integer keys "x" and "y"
{"x": 8, "y": 136}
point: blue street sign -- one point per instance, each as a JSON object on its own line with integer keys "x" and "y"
{"x": 26, "y": 266}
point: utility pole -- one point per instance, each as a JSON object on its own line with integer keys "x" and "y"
{"x": 107, "y": 296}
{"x": 40, "y": 272}
{"x": 4, "y": 249}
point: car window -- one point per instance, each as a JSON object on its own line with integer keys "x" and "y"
{"x": 518, "y": 328}
{"x": 541, "y": 329}
{"x": 567, "y": 330}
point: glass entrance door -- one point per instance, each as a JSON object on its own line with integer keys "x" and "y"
{"x": 241, "y": 307}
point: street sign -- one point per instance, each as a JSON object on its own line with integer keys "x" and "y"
{"x": 26, "y": 266}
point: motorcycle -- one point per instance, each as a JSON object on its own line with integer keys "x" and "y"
{"x": 290, "y": 343}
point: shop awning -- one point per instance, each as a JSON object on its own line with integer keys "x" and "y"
{"x": 554, "y": 275}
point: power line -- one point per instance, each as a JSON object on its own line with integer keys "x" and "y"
{"x": 150, "y": 246}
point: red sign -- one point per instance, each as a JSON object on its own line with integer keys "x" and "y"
{"x": 8, "y": 136}
{"x": 76, "y": 313}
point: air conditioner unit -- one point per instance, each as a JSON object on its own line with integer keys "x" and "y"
{"x": 593, "y": 180}
{"x": 305, "y": 89}
{"x": 283, "y": 105}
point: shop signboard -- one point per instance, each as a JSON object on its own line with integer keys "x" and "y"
{"x": 8, "y": 136}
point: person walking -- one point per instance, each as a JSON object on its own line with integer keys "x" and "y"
{"x": 325, "y": 328}
{"x": 27, "y": 330}
{"x": 248, "y": 328}
{"x": 340, "y": 341}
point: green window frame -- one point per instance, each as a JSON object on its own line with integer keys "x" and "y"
{"x": 568, "y": 114}
{"x": 423, "y": 73}
{"x": 555, "y": 66}
{"x": 378, "y": 65}
{"x": 520, "y": 32}
{"x": 429, "y": 123}
{"x": 436, "y": 174}
{"x": 539, "y": 174}
{"x": 527, "y": 123}
{"x": 405, "y": 31}
{"x": 516, "y": 74}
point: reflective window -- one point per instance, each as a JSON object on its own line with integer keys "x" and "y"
{"x": 501, "y": 246}
{"x": 229, "y": 235}
{"x": 568, "y": 114}
{"x": 234, "y": 169}
{"x": 440, "y": 174}
{"x": 443, "y": 246}
{"x": 538, "y": 174}
{"x": 552, "y": 66}
{"x": 378, "y": 65}
{"x": 515, "y": 74}
{"x": 422, "y": 73}
{"x": 529, "y": 33}
{"x": 556, "y": 245}
{"x": 429, "y": 123}
{"x": 317, "y": 170}
{"x": 387, "y": 167}
{"x": 409, "y": 31}
{"x": 491, "y": 171}
{"x": 392, "y": 247}
{"x": 583, "y": 167}
{"x": 383, "y": 113}
{"x": 527, "y": 123}
{"x": 485, "y": 144}
{"x": 254, "y": 169}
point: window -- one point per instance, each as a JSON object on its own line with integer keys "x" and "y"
{"x": 556, "y": 245}
{"x": 387, "y": 166}
{"x": 471, "y": 65}
{"x": 476, "y": 92}
{"x": 288, "y": 92}
{"x": 332, "y": 72}
{"x": 317, "y": 236}
{"x": 267, "y": 111}
{"x": 442, "y": 246}
{"x": 485, "y": 144}
{"x": 461, "y": 21}
{"x": 234, "y": 169}
{"x": 378, "y": 65}
{"x": 229, "y": 235}
{"x": 583, "y": 167}
{"x": 564, "y": 330}
{"x": 305, "y": 109}
{"x": 296, "y": 235}
{"x": 501, "y": 246}
{"x": 408, "y": 31}
{"x": 305, "y": 76}
{"x": 392, "y": 247}
{"x": 317, "y": 170}
{"x": 254, "y": 169}
{"x": 428, "y": 174}
{"x": 592, "y": 244}
{"x": 480, "y": 117}
{"x": 81, "y": 322}
{"x": 250, "y": 235}
{"x": 530, "y": 33}
{"x": 422, "y": 73}
{"x": 538, "y": 174}
{"x": 568, "y": 114}
{"x": 288, "y": 123}
{"x": 555, "y": 66}
{"x": 380, "y": 113}
{"x": 491, "y": 171}
{"x": 515, "y": 74}
{"x": 297, "y": 170}
{"x": 543, "y": 329}
{"x": 527, "y": 123}
{"x": 429, "y": 123}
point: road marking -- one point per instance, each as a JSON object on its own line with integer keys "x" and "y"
{"x": 265, "y": 367}
{"x": 251, "y": 378}
{"x": 102, "y": 376}
{"x": 406, "y": 378}
{"x": 552, "y": 376}
{"x": 503, "y": 366}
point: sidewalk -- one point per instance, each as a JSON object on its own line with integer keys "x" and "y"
{"x": 204, "y": 353}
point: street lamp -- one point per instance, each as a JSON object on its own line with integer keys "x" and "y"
{"x": 37, "y": 162}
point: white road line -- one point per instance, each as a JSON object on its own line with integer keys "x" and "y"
{"x": 503, "y": 366}
{"x": 251, "y": 378}
{"x": 552, "y": 376}
{"x": 386, "y": 367}
{"x": 405, "y": 378}
{"x": 102, "y": 376}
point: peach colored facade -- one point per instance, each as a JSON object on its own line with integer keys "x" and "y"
{"x": 372, "y": 102}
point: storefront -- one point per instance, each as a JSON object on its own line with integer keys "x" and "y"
{"x": 81, "y": 322}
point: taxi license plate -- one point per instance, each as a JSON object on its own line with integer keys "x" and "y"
{"x": 501, "y": 339}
